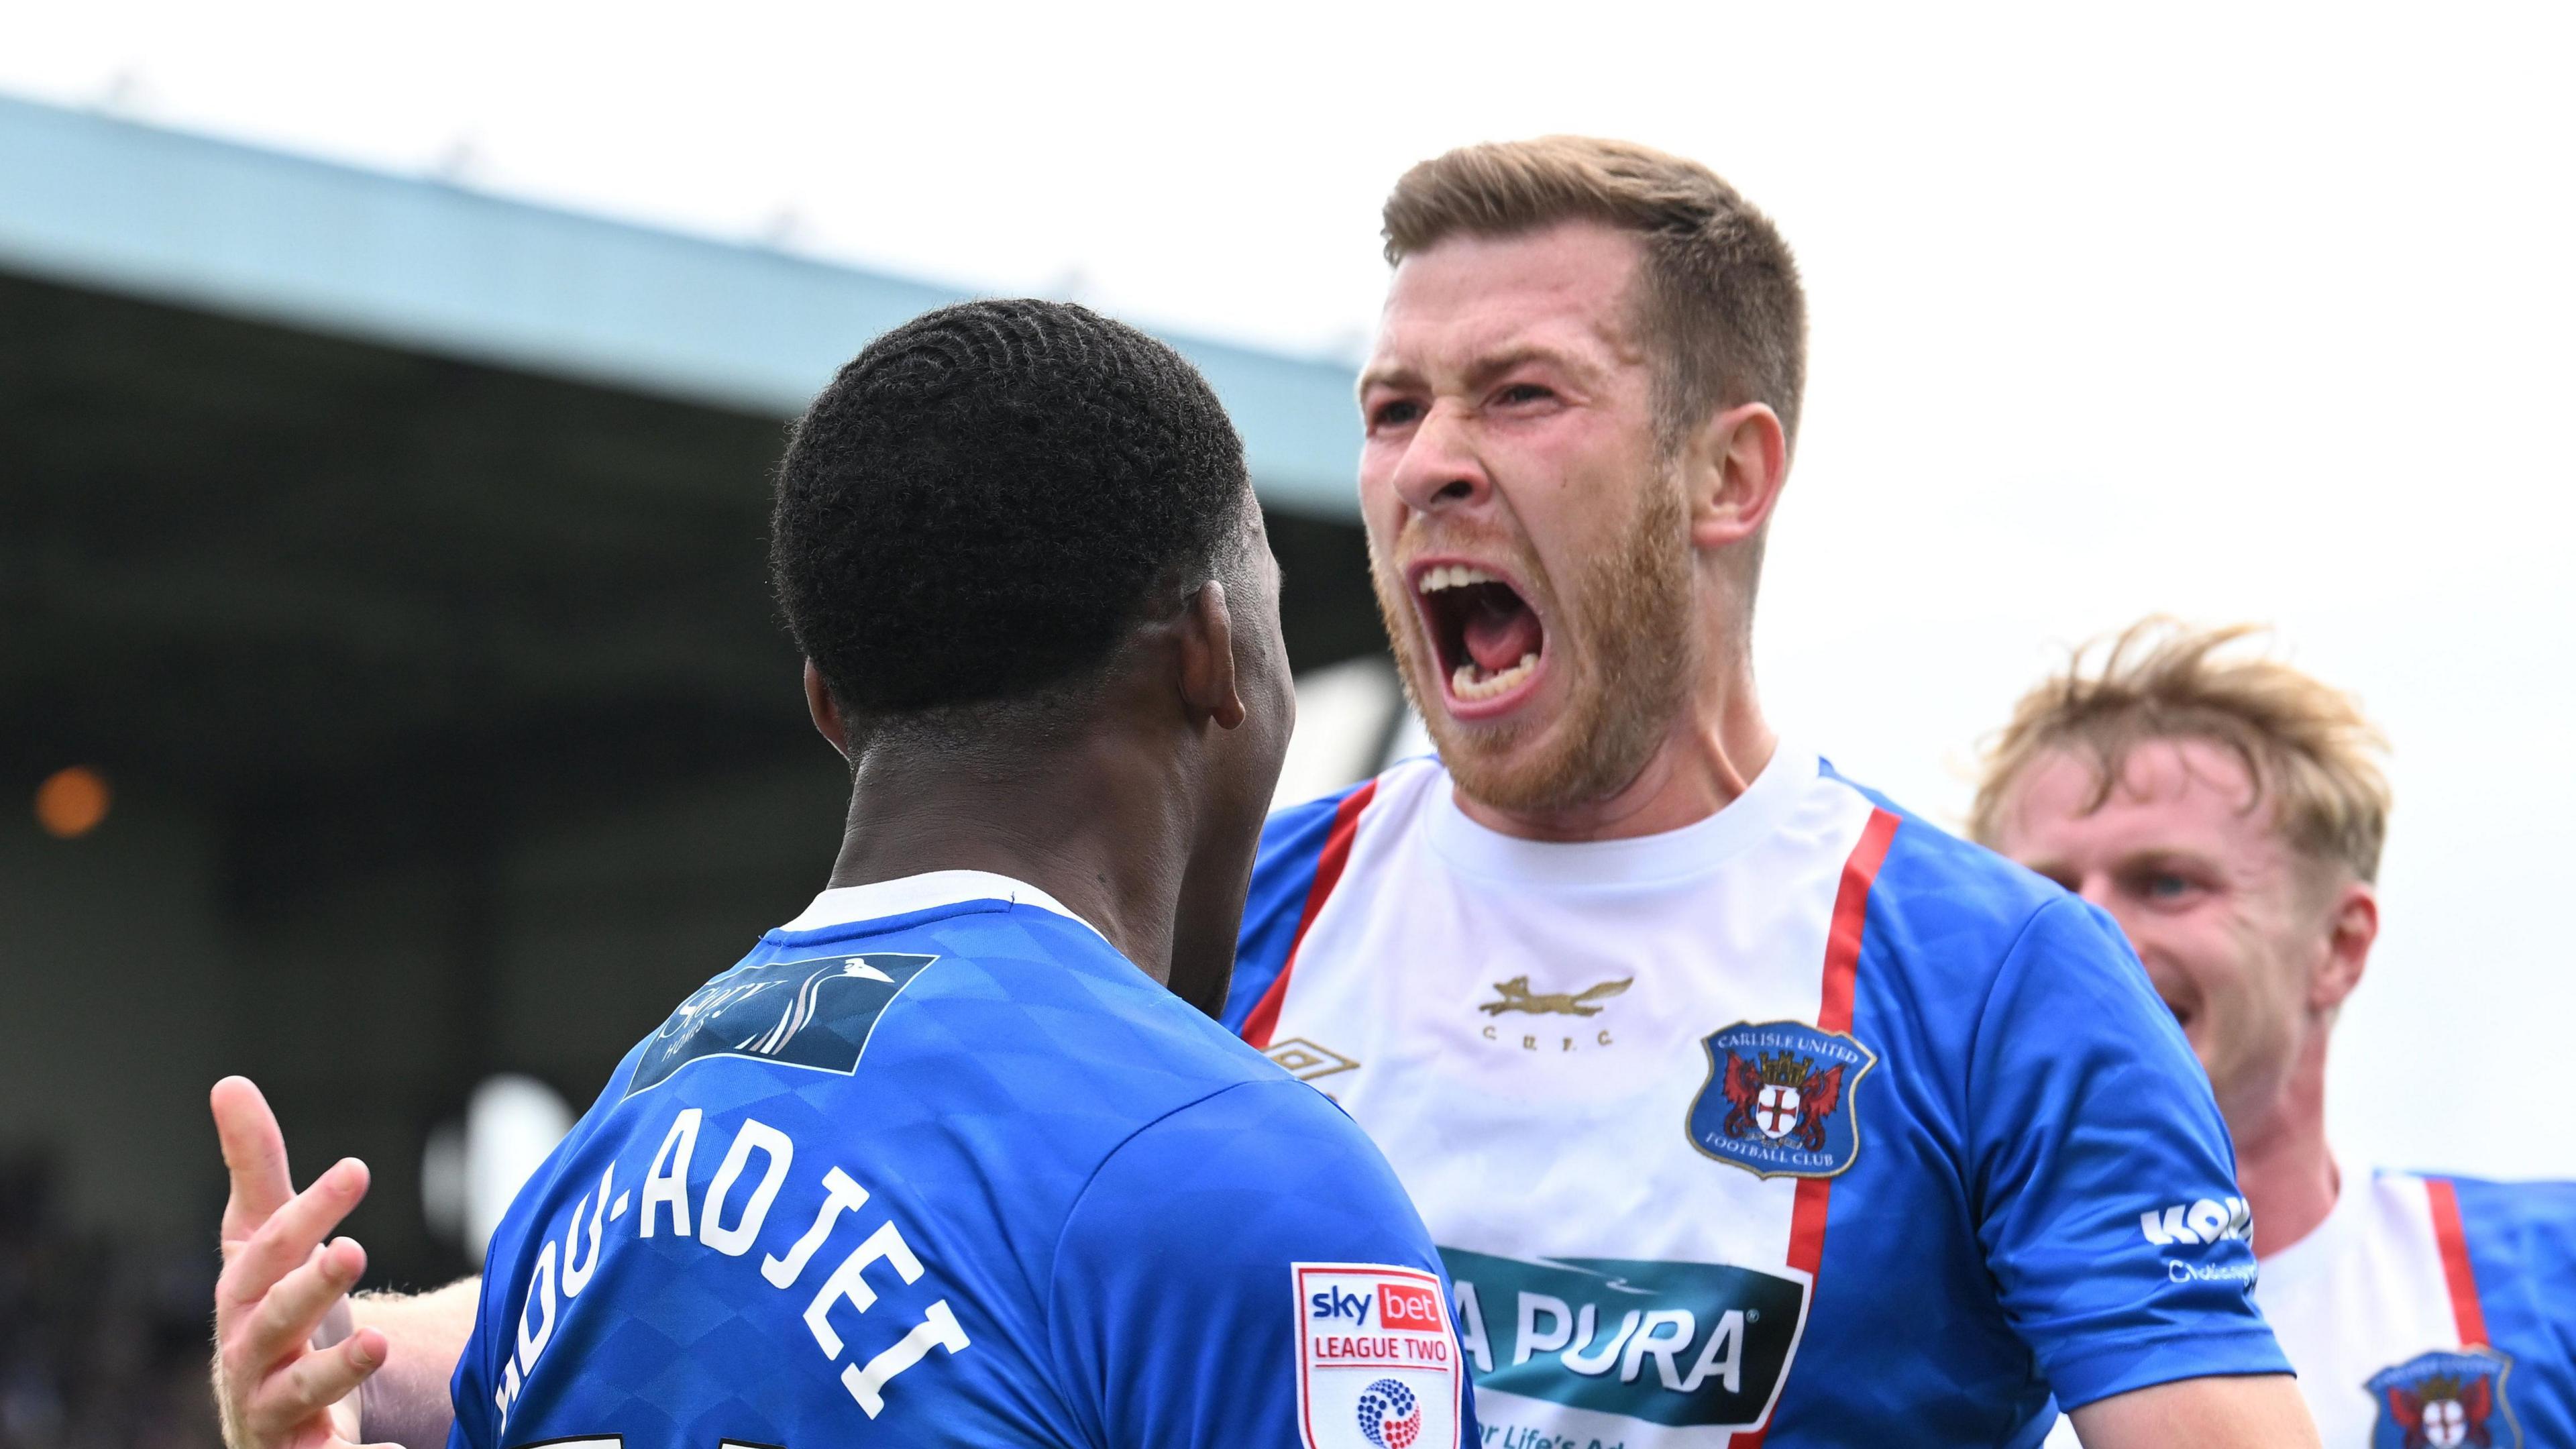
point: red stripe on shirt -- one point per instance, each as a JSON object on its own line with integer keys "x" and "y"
{"x": 1264, "y": 1019}
{"x": 2462, "y": 1278}
{"x": 1833, "y": 1013}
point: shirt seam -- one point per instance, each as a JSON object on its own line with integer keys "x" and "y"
{"x": 1968, "y": 1078}
{"x": 1055, "y": 1255}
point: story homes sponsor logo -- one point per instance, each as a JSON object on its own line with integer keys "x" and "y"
{"x": 814, "y": 1012}
{"x": 1675, "y": 1344}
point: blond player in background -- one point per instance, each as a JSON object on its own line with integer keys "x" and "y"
{"x": 2229, "y": 810}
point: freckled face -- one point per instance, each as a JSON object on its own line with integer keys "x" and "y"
{"x": 2220, "y": 910}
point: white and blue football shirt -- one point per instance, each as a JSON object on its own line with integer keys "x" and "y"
{"x": 1806, "y": 1120}
{"x": 935, "y": 1165}
{"x": 2431, "y": 1311}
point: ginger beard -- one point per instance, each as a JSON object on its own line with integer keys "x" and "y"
{"x": 1621, "y": 636}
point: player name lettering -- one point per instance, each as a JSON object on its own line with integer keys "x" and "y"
{"x": 732, "y": 1206}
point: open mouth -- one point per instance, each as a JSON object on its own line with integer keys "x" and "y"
{"x": 1490, "y": 641}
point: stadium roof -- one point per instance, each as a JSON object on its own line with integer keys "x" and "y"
{"x": 108, "y": 204}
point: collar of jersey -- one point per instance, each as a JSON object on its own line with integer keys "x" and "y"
{"x": 2314, "y": 1255}
{"x": 915, "y": 894}
{"x": 1643, "y": 860}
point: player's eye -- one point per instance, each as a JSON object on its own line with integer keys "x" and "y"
{"x": 1395, "y": 414}
{"x": 1523, "y": 392}
{"x": 2165, "y": 885}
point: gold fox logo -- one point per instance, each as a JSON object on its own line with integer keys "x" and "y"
{"x": 1517, "y": 996}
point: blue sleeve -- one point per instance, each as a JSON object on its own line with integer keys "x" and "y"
{"x": 470, "y": 1388}
{"x": 1283, "y": 874}
{"x": 2522, "y": 1251}
{"x": 1177, "y": 1313}
{"x": 2105, "y": 1180}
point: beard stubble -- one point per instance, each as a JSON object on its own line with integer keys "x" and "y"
{"x": 1632, "y": 663}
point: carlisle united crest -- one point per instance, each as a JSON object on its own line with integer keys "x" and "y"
{"x": 1781, "y": 1099}
{"x": 2443, "y": 1401}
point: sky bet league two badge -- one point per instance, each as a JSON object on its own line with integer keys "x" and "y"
{"x": 1782, "y": 1099}
{"x": 1377, "y": 1362}
{"x": 2445, "y": 1400}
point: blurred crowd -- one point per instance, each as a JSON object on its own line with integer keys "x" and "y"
{"x": 102, "y": 1342}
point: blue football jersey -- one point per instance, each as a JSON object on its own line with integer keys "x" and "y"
{"x": 1805, "y": 1121}
{"x": 935, "y": 1165}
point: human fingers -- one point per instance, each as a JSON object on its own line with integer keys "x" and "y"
{"x": 299, "y": 1398}
{"x": 288, "y": 1237}
{"x": 254, "y": 1156}
{"x": 284, "y": 1322}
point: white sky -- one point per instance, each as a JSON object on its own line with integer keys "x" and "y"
{"x": 2239, "y": 315}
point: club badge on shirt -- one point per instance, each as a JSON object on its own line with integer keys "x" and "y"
{"x": 1377, "y": 1365}
{"x": 1781, "y": 1100}
{"x": 2445, "y": 1399}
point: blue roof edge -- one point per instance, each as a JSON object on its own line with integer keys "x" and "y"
{"x": 115, "y": 205}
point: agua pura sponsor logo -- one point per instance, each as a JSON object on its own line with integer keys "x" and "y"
{"x": 1675, "y": 1344}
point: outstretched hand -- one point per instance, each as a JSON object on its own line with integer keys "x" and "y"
{"x": 280, "y": 1283}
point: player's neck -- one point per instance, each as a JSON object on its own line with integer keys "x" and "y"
{"x": 2283, "y": 1164}
{"x": 1715, "y": 747}
{"x": 1090, "y": 822}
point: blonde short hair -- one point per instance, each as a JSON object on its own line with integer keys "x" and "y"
{"x": 1721, "y": 302}
{"x": 2306, "y": 746}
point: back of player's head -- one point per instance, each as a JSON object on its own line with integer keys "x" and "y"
{"x": 1721, "y": 302}
{"x": 2306, "y": 745}
{"x": 985, "y": 501}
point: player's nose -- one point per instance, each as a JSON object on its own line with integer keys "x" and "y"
{"x": 1441, "y": 469}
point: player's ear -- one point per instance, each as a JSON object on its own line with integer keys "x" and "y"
{"x": 1205, "y": 634}
{"x": 825, "y": 711}
{"x": 1733, "y": 468}
{"x": 2351, "y": 928}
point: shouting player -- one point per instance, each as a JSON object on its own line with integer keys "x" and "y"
{"x": 943, "y": 1161}
{"x": 2228, "y": 810}
{"x": 1741, "y": 1103}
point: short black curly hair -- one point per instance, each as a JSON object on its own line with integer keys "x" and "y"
{"x": 989, "y": 497}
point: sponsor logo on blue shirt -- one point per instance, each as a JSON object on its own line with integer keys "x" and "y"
{"x": 815, "y": 1012}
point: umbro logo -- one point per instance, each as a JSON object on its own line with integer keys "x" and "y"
{"x": 1306, "y": 1060}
